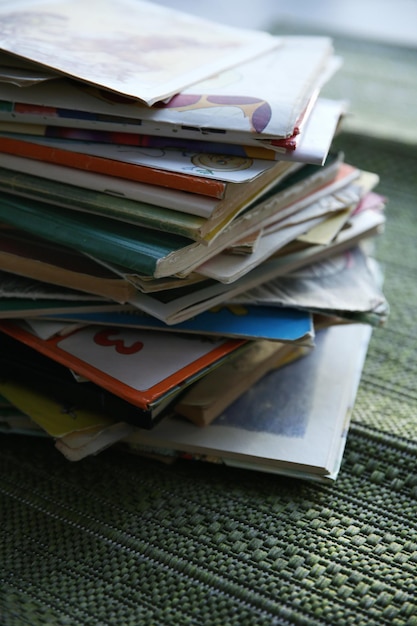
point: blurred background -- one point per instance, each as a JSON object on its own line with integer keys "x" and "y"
{"x": 376, "y": 38}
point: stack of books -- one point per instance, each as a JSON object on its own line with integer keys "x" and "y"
{"x": 185, "y": 263}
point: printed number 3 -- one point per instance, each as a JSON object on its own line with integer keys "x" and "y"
{"x": 103, "y": 338}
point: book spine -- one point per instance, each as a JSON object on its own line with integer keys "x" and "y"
{"x": 119, "y": 169}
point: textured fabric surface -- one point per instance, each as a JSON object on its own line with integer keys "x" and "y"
{"x": 120, "y": 540}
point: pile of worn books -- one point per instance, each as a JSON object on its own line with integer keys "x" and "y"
{"x": 185, "y": 263}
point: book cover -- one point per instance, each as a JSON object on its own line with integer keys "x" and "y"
{"x": 238, "y": 106}
{"x": 34, "y": 148}
{"x": 244, "y": 322}
{"x": 293, "y": 421}
{"x": 140, "y": 164}
{"x": 50, "y": 393}
{"x": 133, "y": 48}
{"x": 130, "y": 246}
{"x": 143, "y": 367}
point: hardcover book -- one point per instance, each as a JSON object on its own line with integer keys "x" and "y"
{"x": 51, "y": 395}
{"x": 140, "y": 366}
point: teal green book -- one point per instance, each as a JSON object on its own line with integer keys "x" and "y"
{"x": 100, "y": 203}
{"x": 133, "y": 247}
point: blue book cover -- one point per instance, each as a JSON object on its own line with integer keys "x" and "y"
{"x": 248, "y": 322}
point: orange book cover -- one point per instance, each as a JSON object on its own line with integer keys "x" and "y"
{"x": 119, "y": 169}
{"x": 140, "y": 366}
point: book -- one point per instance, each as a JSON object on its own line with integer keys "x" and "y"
{"x": 34, "y": 148}
{"x": 142, "y": 367}
{"x": 78, "y": 445}
{"x": 345, "y": 285}
{"x": 15, "y": 286}
{"x": 291, "y": 225}
{"x": 211, "y": 395}
{"x": 293, "y": 421}
{"x": 22, "y": 297}
{"x": 22, "y": 308}
{"x": 241, "y": 106}
{"x": 32, "y": 257}
{"x": 30, "y": 177}
{"x": 109, "y": 204}
{"x": 181, "y": 169}
{"x": 321, "y": 221}
{"x": 244, "y": 322}
{"x": 236, "y": 198}
{"x": 133, "y": 48}
{"x": 309, "y": 145}
{"x": 52, "y": 396}
{"x": 183, "y": 303}
{"x": 151, "y": 252}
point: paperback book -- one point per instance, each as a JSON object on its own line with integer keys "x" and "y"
{"x": 293, "y": 421}
{"x": 133, "y": 48}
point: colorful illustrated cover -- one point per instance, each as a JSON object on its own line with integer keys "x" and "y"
{"x": 61, "y": 403}
{"x": 310, "y": 145}
{"x": 118, "y": 159}
{"x": 140, "y": 366}
{"x": 241, "y": 105}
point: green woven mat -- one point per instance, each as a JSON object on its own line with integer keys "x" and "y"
{"x": 119, "y": 540}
